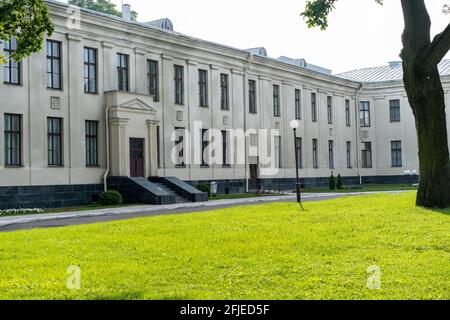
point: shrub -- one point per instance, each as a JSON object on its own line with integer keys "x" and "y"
{"x": 332, "y": 182}
{"x": 12, "y": 212}
{"x": 339, "y": 183}
{"x": 110, "y": 198}
{"x": 203, "y": 188}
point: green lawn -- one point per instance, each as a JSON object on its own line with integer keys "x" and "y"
{"x": 364, "y": 188}
{"x": 270, "y": 251}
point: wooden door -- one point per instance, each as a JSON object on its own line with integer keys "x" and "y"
{"x": 136, "y": 157}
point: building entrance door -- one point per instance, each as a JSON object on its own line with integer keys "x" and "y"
{"x": 136, "y": 157}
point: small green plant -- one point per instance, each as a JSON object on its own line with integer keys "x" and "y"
{"x": 332, "y": 182}
{"x": 339, "y": 183}
{"x": 110, "y": 198}
{"x": 203, "y": 187}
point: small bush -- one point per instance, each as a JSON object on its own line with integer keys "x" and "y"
{"x": 110, "y": 198}
{"x": 339, "y": 183}
{"x": 332, "y": 182}
{"x": 203, "y": 188}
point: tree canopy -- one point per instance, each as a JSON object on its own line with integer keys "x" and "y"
{"x": 105, "y": 6}
{"x": 27, "y": 21}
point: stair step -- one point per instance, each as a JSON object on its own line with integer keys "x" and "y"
{"x": 178, "y": 198}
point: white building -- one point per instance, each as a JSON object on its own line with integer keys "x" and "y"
{"x": 138, "y": 83}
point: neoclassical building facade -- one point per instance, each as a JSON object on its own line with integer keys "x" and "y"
{"x": 110, "y": 97}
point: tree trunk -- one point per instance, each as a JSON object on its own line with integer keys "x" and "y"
{"x": 426, "y": 98}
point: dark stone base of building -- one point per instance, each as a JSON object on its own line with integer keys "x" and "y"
{"x": 60, "y": 196}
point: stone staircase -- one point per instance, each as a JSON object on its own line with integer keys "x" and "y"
{"x": 178, "y": 198}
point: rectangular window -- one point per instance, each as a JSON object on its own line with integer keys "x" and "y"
{"x": 349, "y": 154}
{"x": 90, "y": 70}
{"x": 394, "y": 110}
{"x": 179, "y": 147}
{"x": 225, "y": 162}
{"x": 313, "y": 108}
{"x": 179, "y": 84}
{"x": 203, "y": 88}
{"x": 396, "y": 153}
{"x": 54, "y": 141}
{"x": 54, "y": 64}
{"x": 298, "y": 106}
{"x": 367, "y": 155}
{"x": 315, "y": 154}
{"x": 330, "y": 110}
{"x": 91, "y": 128}
{"x": 153, "y": 79}
{"x": 13, "y": 139}
{"x": 158, "y": 146}
{"x": 252, "y": 96}
{"x": 364, "y": 113}
{"x": 276, "y": 100}
{"x": 298, "y": 150}
{"x": 11, "y": 68}
{"x": 204, "y": 144}
{"x": 277, "y": 151}
{"x": 331, "y": 154}
{"x": 224, "y": 92}
{"x": 122, "y": 72}
{"x": 347, "y": 113}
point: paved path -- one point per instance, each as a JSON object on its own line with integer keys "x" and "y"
{"x": 48, "y": 220}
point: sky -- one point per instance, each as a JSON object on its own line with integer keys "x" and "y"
{"x": 360, "y": 34}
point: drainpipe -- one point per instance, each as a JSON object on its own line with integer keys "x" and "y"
{"x": 246, "y": 66}
{"x": 357, "y": 131}
{"x": 105, "y": 176}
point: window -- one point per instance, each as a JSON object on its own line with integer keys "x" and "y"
{"x": 313, "y": 108}
{"x": 122, "y": 72}
{"x": 349, "y": 154}
{"x": 252, "y": 96}
{"x": 179, "y": 147}
{"x": 276, "y": 100}
{"x": 331, "y": 154}
{"x": 13, "y": 139}
{"x": 277, "y": 151}
{"x": 203, "y": 88}
{"x": 158, "y": 146}
{"x": 298, "y": 150}
{"x": 152, "y": 79}
{"x": 224, "y": 92}
{"x": 347, "y": 113}
{"x": 364, "y": 113}
{"x": 225, "y": 162}
{"x": 54, "y": 141}
{"x": 298, "y": 111}
{"x": 315, "y": 154}
{"x": 367, "y": 155}
{"x": 53, "y": 64}
{"x": 90, "y": 70}
{"x": 205, "y": 144}
{"x": 394, "y": 110}
{"x": 11, "y": 69}
{"x": 396, "y": 153}
{"x": 179, "y": 84}
{"x": 330, "y": 110}
{"x": 91, "y": 128}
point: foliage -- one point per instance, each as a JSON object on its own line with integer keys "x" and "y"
{"x": 110, "y": 198}
{"x": 332, "y": 182}
{"x": 105, "y": 6}
{"x": 203, "y": 187}
{"x": 27, "y": 21}
{"x": 339, "y": 184}
{"x": 250, "y": 252}
{"x": 15, "y": 212}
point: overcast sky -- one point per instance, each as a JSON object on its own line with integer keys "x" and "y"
{"x": 360, "y": 33}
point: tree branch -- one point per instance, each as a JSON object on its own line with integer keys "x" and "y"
{"x": 438, "y": 48}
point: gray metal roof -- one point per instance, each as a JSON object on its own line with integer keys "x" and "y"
{"x": 391, "y": 72}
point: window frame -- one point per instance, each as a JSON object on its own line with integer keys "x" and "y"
{"x": 89, "y": 64}
{"x": 224, "y": 92}
{"x": 396, "y": 154}
{"x": 331, "y": 154}
{"x": 9, "y": 65}
{"x": 203, "y": 88}
{"x": 299, "y": 151}
{"x": 330, "y": 109}
{"x": 225, "y": 151}
{"x": 366, "y": 156}
{"x": 252, "y": 100}
{"x": 349, "y": 154}
{"x": 394, "y": 110}
{"x": 153, "y": 79}
{"x": 315, "y": 153}
{"x": 297, "y": 104}
{"x": 123, "y": 84}
{"x": 51, "y": 57}
{"x": 276, "y": 100}
{"x": 204, "y": 143}
{"x": 9, "y": 138}
{"x": 364, "y": 114}
{"x": 313, "y": 107}
{"x": 347, "y": 113}
{"x": 91, "y": 143}
{"x": 180, "y": 139}
{"x": 51, "y": 149}
{"x": 178, "y": 77}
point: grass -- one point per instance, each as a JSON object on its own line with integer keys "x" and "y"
{"x": 363, "y": 188}
{"x": 270, "y": 251}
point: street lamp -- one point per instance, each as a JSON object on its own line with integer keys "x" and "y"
{"x": 294, "y": 125}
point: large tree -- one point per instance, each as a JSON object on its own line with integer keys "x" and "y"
{"x": 105, "y": 6}
{"x": 422, "y": 82}
{"x": 26, "y": 20}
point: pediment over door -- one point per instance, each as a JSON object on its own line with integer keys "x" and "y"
{"x": 136, "y": 105}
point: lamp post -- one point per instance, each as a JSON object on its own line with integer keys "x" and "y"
{"x": 294, "y": 125}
